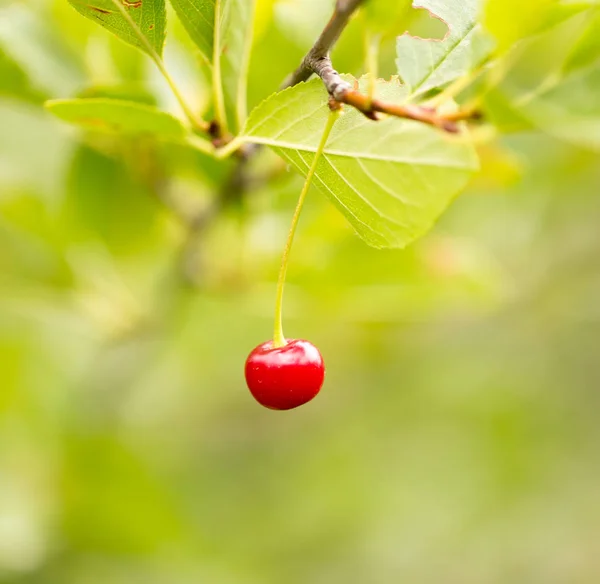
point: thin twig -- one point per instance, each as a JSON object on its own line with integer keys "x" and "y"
{"x": 344, "y": 9}
{"x": 370, "y": 107}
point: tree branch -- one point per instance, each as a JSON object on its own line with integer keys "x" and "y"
{"x": 344, "y": 9}
{"x": 318, "y": 61}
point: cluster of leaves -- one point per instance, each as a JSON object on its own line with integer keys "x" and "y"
{"x": 391, "y": 179}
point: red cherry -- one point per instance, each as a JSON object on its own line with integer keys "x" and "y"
{"x": 282, "y": 378}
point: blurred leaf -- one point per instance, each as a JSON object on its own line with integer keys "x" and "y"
{"x": 299, "y": 19}
{"x": 198, "y": 18}
{"x": 235, "y": 34}
{"x": 32, "y": 242}
{"x": 111, "y": 499}
{"x": 12, "y": 359}
{"x": 279, "y": 47}
{"x": 28, "y": 214}
{"x": 571, "y": 109}
{"x": 503, "y": 113}
{"x": 15, "y": 83}
{"x": 426, "y": 64}
{"x": 560, "y": 11}
{"x": 263, "y": 18}
{"x": 104, "y": 202}
{"x": 554, "y": 83}
{"x": 112, "y": 115}
{"x": 543, "y": 58}
{"x": 587, "y": 50}
{"x": 118, "y": 92}
{"x": 391, "y": 179}
{"x": 33, "y": 150}
{"x": 130, "y": 64}
{"x": 39, "y": 51}
{"x": 384, "y": 17}
{"x": 149, "y": 19}
{"x": 510, "y": 21}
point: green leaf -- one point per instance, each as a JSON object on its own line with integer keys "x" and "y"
{"x": 554, "y": 85}
{"x": 111, "y": 115}
{"x": 198, "y": 18}
{"x": 143, "y": 27}
{"x": 587, "y": 50}
{"x": 234, "y": 40}
{"x": 571, "y": 109}
{"x": 222, "y": 30}
{"x": 125, "y": 92}
{"x": 560, "y": 11}
{"x": 391, "y": 179}
{"x": 544, "y": 58}
{"x": 427, "y": 64}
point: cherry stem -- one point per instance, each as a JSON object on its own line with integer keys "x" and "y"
{"x": 278, "y": 338}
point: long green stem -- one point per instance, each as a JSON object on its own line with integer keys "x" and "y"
{"x": 278, "y": 338}
{"x": 196, "y": 122}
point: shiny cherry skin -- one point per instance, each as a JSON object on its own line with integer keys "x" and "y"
{"x": 283, "y": 378}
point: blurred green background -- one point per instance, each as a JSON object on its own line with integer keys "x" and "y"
{"x": 457, "y": 438}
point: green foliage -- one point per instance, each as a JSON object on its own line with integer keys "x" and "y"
{"x": 112, "y": 115}
{"x": 554, "y": 84}
{"x": 233, "y": 55}
{"x": 586, "y": 51}
{"x": 425, "y": 64}
{"x": 570, "y": 109}
{"x": 141, "y": 23}
{"x": 198, "y": 18}
{"x": 391, "y": 180}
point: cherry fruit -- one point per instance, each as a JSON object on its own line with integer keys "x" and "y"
{"x": 283, "y": 378}
{"x": 283, "y": 374}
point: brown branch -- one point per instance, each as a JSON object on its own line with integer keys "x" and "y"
{"x": 343, "y": 92}
{"x": 318, "y": 61}
{"x": 370, "y": 107}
